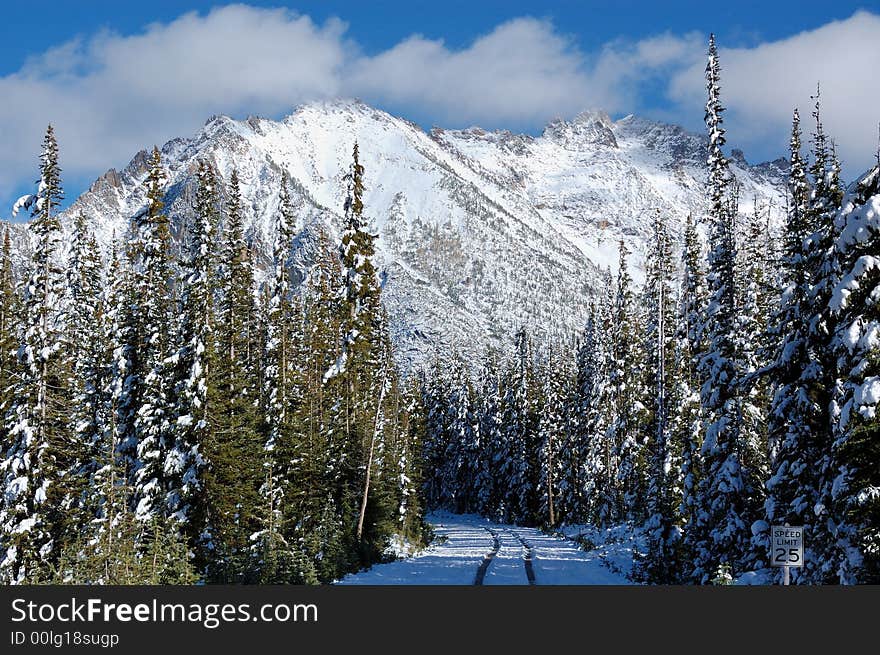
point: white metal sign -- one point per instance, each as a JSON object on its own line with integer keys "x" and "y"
{"x": 787, "y": 545}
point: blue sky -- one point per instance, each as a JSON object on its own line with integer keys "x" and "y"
{"x": 118, "y": 76}
{"x": 378, "y": 24}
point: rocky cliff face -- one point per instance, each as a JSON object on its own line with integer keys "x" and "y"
{"x": 479, "y": 232}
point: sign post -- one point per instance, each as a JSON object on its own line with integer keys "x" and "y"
{"x": 786, "y": 548}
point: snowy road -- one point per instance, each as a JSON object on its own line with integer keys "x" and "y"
{"x": 471, "y": 550}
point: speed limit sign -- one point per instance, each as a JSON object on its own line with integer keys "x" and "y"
{"x": 787, "y": 545}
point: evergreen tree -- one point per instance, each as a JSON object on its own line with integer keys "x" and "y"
{"x": 408, "y": 464}
{"x": 803, "y": 372}
{"x": 152, "y": 415}
{"x": 662, "y": 526}
{"x": 552, "y": 427}
{"x": 461, "y": 434}
{"x": 185, "y": 464}
{"x": 234, "y": 451}
{"x": 856, "y": 450}
{"x": 319, "y": 496}
{"x": 278, "y": 546}
{"x": 756, "y": 287}
{"x": 792, "y": 417}
{"x": 363, "y": 375}
{"x": 519, "y": 471}
{"x": 88, "y": 363}
{"x": 278, "y": 341}
{"x": 624, "y": 401}
{"x": 594, "y": 427}
{"x": 37, "y": 419}
{"x": 10, "y": 311}
{"x": 725, "y": 498}
{"x": 686, "y": 421}
{"x": 487, "y": 486}
{"x": 110, "y": 546}
{"x": 823, "y": 262}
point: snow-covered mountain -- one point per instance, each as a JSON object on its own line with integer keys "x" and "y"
{"x": 480, "y": 232}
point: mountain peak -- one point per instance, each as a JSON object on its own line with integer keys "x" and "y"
{"x": 332, "y": 105}
{"x": 480, "y": 231}
{"x": 589, "y": 127}
{"x": 589, "y": 116}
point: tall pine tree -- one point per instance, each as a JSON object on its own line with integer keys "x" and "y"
{"x": 152, "y": 414}
{"x": 234, "y": 451}
{"x": 724, "y": 499}
{"x": 856, "y": 449}
{"x": 38, "y": 417}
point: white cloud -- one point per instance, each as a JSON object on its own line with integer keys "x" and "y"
{"x": 762, "y": 85}
{"x": 110, "y": 95}
{"x": 522, "y": 72}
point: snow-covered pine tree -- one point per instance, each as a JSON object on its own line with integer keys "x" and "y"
{"x": 552, "y": 429}
{"x": 185, "y": 462}
{"x": 361, "y": 290}
{"x": 363, "y": 373}
{"x": 519, "y": 424}
{"x": 277, "y": 548}
{"x": 802, "y": 375}
{"x": 757, "y": 288}
{"x": 753, "y": 285}
{"x": 624, "y": 401}
{"x": 792, "y": 414}
{"x": 111, "y": 493}
{"x": 234, "y": 450}
{"x": 461, "y": 439}
{"x": 599, "y": 467}
{"x": 856, "y": 449}
{"x": 278, "y": 373}
{"x": 686, "y": 424}
{"x": 88, "y": 354}
{"x": 662, "y": 525}
{"x": 10, "y": 311}
{"x": 106, "y": 549}
{"x": 725, "y": 505}
{"x": 408, "y": 464}
{"x": 589, "y": 484}
{"x": 820, "y": 378}
{"x": 38, "y": 417}
{"x": 319, "y": 491}
{"x": 487, "y": 487}
{"x": 152, "y": 414}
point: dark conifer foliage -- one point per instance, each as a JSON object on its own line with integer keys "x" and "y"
{"x": 742, "y": 371}
{"x": 216, "y": 401}
{"x": 173, "y": 421}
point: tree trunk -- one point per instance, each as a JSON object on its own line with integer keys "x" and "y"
{"x": 360, "y": 525}
{"x": 550, "y": 482}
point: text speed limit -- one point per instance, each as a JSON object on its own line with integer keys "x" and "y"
{"x": 787, "y": 545}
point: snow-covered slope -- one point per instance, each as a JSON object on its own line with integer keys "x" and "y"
{"x": 480, "y": 232}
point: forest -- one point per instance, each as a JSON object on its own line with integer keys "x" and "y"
{"x": 179, "y": 409}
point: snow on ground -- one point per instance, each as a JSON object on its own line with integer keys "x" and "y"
{"x": 569, "y": 564}
{"x": 460, "y": 544}
{"x": 463, "y": 541}
{"x": 613, "y": 546}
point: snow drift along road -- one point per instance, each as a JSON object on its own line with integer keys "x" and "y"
{"x": 463, "y": 542}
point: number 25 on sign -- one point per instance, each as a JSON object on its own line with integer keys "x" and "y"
{"x": 786, "y": 548}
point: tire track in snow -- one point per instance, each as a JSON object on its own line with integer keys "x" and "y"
{"x": 487, "y": 559}
{"x": 528, "y": 555}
